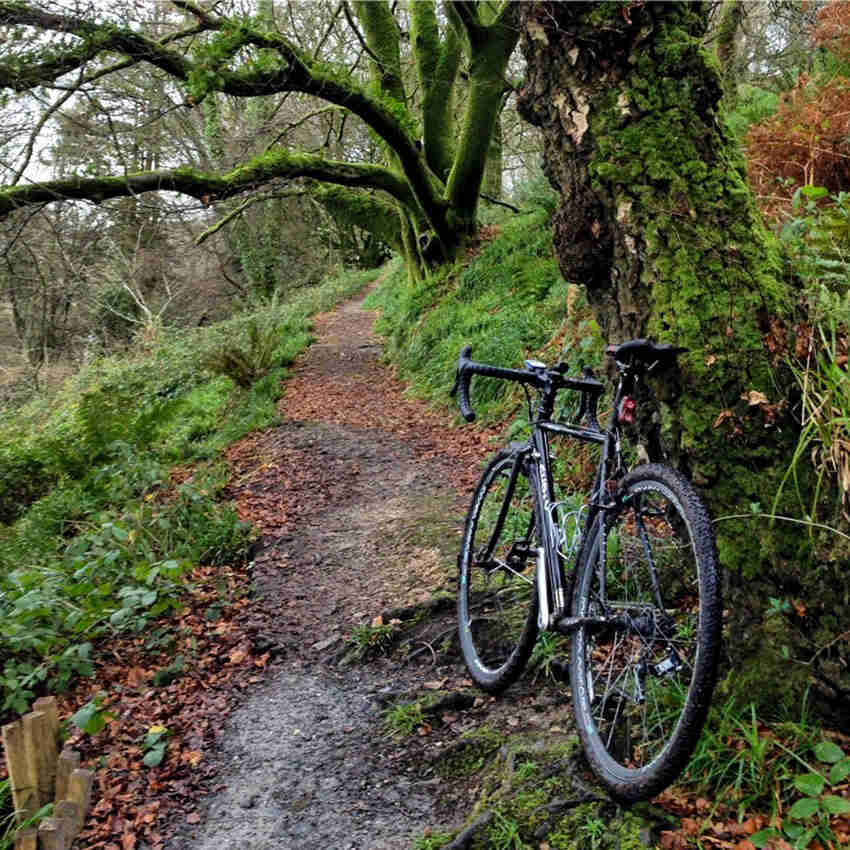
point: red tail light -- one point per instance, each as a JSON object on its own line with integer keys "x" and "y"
{"x": 626, "y": 413}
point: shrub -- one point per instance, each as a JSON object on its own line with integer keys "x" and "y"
{"x": 806, "y": 142}
{"x": 250, "y": 358}
{"x": 23, "y": 479}
{"x": 101, "y": 541}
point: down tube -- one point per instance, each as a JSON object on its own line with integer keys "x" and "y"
{"x": 548, "y": 534}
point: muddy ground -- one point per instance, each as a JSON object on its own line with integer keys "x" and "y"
{"x": 367, "y": 733}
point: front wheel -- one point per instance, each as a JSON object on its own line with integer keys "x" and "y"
{"x": 497, "y": 597}
{"x": 642, "y": 672}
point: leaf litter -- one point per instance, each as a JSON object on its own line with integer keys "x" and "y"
{"x": 346, "y": 424}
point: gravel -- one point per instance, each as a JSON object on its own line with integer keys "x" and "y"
{"x": 298, "y": 769}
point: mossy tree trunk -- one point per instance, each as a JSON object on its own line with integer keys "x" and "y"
{"x": 422, "y": 199}
{"x": 658, "y": 224}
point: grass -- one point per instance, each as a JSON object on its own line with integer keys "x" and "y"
{"x": 825, "y": 435}
{"x": 111, "y": 489}
{"x": 787, "y": 775}
{"x": 370, "y": 640}
{"x": 817, "y": 239}
{"x": 742, "y": 760}
{"x": 404, "y": 718}
{"x": 429, "y": 841}
{"x": 508, "y": 303}
{"x": 8, "y": 825}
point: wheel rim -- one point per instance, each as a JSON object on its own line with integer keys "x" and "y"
{"x": 500, "y": 581}
{"x": 637, "y": 677}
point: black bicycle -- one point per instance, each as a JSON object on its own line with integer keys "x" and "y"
{"x": 642, "y": 605}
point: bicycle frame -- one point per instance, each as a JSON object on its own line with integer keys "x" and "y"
{"x": 601, "y": 566}
{"x": 555, "y": 592}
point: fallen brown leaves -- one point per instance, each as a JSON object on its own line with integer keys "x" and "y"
{"x": 132, "y": 801}
{"x": 706, "y": 823}
{"x": 272, "y": 485}
{"x": 369, "y": 396}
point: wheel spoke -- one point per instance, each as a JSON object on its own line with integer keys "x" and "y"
{"x": 632, "y": 681}
{"x": 498, "y": 561}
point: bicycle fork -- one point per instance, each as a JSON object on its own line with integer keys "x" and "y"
{"x": 550, "y": 586}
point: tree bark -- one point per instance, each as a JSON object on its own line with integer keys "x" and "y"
{"x": 658, "y": 224}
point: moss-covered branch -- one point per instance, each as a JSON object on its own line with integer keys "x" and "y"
{"x": 293, "y": 71}
{"x": 437, "y": 183}
{"x": 383, "y": 39}
{"x": 490, "y": 47}
{"x": 210, "y": 187}
{"x": 363, "y": 209}
{"x": 22, "y": 73}
{"x": 437, "y": 64}
{"x": 466, "y": 13}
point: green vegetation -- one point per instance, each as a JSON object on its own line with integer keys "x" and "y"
{"x": 431, "y": 841}
{"x": 370, "y": 640}
{"x": 8, "y": 825}
{"x": 549, "y": 656}
{"x": 818, "y": 238}
{"x": 524, "y": 784}
{"x": 740, "y": 760}
{"x": 154, "y": 746}
{"x": 471, "y": 753}
{"x": 101, "y": 530}
{"x": 752, "y": 105}
{"x": 786, "y": 769}
{"x": 404, "y": 718}
{"x": 508, "y": 303}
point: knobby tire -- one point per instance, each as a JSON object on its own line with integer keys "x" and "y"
{"x": 641, "y": 692}
{"x": 497, "y": 595}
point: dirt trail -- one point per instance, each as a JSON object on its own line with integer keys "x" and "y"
{"x": 356, "y": 494}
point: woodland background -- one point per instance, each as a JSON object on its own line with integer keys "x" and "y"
{"x": 301, "y": 147}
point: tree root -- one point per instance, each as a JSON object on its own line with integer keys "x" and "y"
{"x": 463, "y": 839}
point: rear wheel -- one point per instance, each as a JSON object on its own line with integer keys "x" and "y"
{"x": 642, "y": 685}
{"x": 497, "y": 597}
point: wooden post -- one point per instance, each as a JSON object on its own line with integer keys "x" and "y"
{"x": 49, "y": 748}
{"x": 69, "y": 761}
{"x": 79, "y": 791}
{"x": 23, "y": 780}
{"x": 51, "y": 836}
{"x": 26, "y": 839}
{"x": 67, "y": 815}
{"x": 48, "y": 707}
{"x": 38, "y": 777}
{"x": 41, "y": 754}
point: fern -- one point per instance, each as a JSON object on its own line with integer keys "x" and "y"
{"x": 246, "y": 361}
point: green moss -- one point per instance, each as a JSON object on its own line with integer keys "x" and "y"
{"x": 778, "y": 682}
{"x": 710, "y": 270}
{"x": 524, "y": 785}
{"x": 471, "y": 754}
{"x": 588, "y": 828}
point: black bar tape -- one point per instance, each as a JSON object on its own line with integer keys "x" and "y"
{"x": 464, "y": 376}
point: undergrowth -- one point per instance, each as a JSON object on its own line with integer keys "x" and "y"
{"x": 111, "y": 490}
{"x": 787, "y": 771}
{"x": 818, "y": 239}
{"x": 508, "y": 303}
